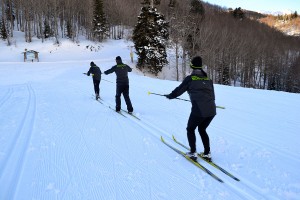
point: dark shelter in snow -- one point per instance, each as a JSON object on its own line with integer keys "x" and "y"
{"x": 31, "y": 55}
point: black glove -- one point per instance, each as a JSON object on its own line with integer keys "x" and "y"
{"x": 168, "y": 96}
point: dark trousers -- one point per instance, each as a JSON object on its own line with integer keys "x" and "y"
{"x": 202, "y": 123}
{"x": 96, "y": 86}
{"x": 123, "y": 89}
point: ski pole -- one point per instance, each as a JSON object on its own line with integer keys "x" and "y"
{"x": 101, "y": 79}
{"x": 107, "y": 81}
{"x": 165, "y": 95}
{"x": 221, "y": 107}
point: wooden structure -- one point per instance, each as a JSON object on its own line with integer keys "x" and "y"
{"x": 31, "y": 55}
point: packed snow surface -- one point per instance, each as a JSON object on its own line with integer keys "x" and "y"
{"x": 57, "y": 142}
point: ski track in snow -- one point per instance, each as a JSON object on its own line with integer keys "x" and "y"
{"x": 247, "y": 191}
{"x": 6, "y": 96}
{"x": 283, "y": 153}
{"x": 12, "y": 164}
{"x": 59, "y": 143}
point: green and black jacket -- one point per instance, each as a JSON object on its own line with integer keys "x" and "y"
{"x": 201, "y": 91}
{"x": 121, "y": 71}
{"x": 95, "y": 71}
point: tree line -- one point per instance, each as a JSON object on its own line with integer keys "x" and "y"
{"x": 236, "y": 50}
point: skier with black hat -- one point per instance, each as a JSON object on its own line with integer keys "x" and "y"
{"x": 201, "y": 91}
{"x": 96, "y": 73}
{"x": 121, "y": 71}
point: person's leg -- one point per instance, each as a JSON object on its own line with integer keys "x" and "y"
{"x": 95, "y": 86}
{"x": 118, "y": 97}
{"x": 127, "y": 99}
{"x": 203, "y": 134}
{"x": 97, "y": 83}
{"x": 191, "y": 126}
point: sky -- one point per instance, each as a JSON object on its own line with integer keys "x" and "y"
{"x": 58, "y": 142}
{"x": 260, "y": 5}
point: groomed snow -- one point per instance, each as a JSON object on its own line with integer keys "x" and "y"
{"x": 56, "y": 142}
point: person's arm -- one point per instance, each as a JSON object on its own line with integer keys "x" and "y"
{"x": 111, "y": 70}
{"x": 129, "y": 68}
{"x": 89, "y": 72}
{"x": 180, "y": 89}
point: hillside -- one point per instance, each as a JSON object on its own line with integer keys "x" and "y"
{"x": 57, "y": 142}
{"x": 287, "y": 26}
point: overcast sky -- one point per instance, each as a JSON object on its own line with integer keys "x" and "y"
{"x": 260, "y": 5}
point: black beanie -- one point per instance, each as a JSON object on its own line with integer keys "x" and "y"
{"x": 92, "y": 64}
{"x": 196, "y": 63}
{"x": 119, "y": 58}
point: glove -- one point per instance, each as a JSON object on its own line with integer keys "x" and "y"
{"x": 168, "y": 96}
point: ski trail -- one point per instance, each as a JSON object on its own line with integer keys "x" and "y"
{"x": 249, "y": 190}
{"x": 142, "y": 188}
{"x": 14, "y": 160}
{"x": 282, "y": 152}
{"x": 6, "y": 97}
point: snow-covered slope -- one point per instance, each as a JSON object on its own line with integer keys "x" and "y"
{"x": 56, "y": 142}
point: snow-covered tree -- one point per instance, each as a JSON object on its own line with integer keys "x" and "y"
{"x": 150, "y": 36}
{"x": 100, "y": 28}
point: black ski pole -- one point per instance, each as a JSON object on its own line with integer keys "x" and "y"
{"x": 221, "y": 107}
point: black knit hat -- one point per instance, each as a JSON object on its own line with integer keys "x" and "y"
{"x": 119, "y": 58}
{"x": 92, "y": 64}
{"x": 196, "y": 63}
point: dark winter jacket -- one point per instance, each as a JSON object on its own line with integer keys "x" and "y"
{"x": 95, "y": 71}
{"x": 201, "y": 91}
{"x": 121, "y": 71}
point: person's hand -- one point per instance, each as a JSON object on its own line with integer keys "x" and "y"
{"x": 168, "y": 96}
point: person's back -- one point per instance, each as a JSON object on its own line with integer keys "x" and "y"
{"x": 201, "y": 92}
{"x": 202, "y": 96}
{"x": 95, "y": 71}
{"x": 121, "y": 71}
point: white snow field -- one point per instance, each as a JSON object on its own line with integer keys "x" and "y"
{"x": 57, "y": 142}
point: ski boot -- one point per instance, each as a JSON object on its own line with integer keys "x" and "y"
{"x": 192, "y": 156}
{"x": 206, "y": 156}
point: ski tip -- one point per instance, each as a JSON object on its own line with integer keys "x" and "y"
{"x": 173, "y": 137}
{"x": 149, "y": 93}
{"x": 162, "y": 139}
{"x": 221, "y": 107}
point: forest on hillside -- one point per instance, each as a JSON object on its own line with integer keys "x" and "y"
{"x": 237, "y": 50}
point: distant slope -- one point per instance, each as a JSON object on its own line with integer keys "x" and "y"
{"x": 287, "y": 26}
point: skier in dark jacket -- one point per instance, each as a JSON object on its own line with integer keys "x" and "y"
{"x": 201, "y": 91}
{"x": 121, "y": 71}
{"x": 96, "y": 73}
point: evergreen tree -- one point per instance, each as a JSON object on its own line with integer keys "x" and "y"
{"x": 69, "y": 31}
{"x": 197, "y": 7}
{"x": 238, "y": 13}
{"x": 150, "y": 36}
{"x": 100, "y": 28}
{"x": 47, "y": 30}
{"x": 294, "y": 15}
{"x": 3, "y": 32}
